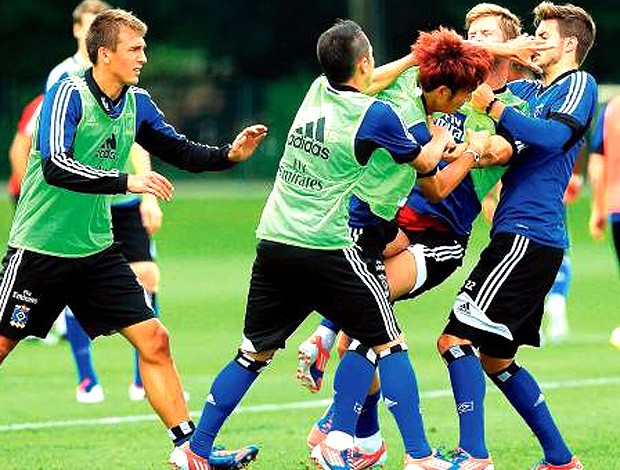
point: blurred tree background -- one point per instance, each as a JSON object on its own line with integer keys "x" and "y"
{"x": 215, "y": 66}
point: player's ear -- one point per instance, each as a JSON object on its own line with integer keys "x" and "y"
{"x": 570, "y": 44}
{"x": 444, "y": 92}
{"x": 103, "y": 55}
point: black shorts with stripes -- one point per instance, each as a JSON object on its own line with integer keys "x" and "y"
{"x": 501, "y": 304}
{"x": 101, "y": 290}
{"x": 437, "y": 255}
{"x": 288, "y": 283}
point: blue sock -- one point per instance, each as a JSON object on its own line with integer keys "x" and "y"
{"x": 229, "y": 387}
{"x": 368, "y": 422}
{"x": 525, "y": 396}
{"x": 351, "y": 383}
{"x": 469, "y": 388}
{"x": 80, "y": 347}
{"x": 400, "y": 394}
{"x": 137, "y": 378}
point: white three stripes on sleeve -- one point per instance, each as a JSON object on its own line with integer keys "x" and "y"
{"x": 57, "y": 133}
{"x": 578, "y": 82}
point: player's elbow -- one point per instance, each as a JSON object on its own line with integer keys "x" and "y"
{"x": 52, "y": 174}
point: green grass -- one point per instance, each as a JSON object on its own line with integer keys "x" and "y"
{"x": 205, "y": 250}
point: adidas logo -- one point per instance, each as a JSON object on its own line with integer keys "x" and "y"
{"x": 108, "y": 148}
{"x": 310, "y": 138}
{"x": 389, "y": 403}
{"x": 463, "y": 308}
{"x": 540, "y": 400}
{"x": 211, "y": 400}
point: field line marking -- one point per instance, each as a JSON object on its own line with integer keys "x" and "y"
{"x": 299, "y": 405}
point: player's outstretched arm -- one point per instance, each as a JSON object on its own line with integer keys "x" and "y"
{"x": 246, "y": 142}
{"x": 384, "y": 75}
{"x": 519, "y": 50}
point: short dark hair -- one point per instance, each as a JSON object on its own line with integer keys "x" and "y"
{"x": 105, "y": 29}
{"x": 340, "y": 48}
{"x": 572, "y": 21}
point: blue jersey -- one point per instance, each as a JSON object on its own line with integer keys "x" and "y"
{"x": 531, "y": 202}
{"x": 459, "y": 209}
{"x": 62, "y": 125}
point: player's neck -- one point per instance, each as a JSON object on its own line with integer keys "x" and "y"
{"x": 357, "y": 81}
{"x": 111, "y": 87}
{"x": 82, "y": 52}
{"x": 497, "y": 79}
{"x": 553, "y": 71}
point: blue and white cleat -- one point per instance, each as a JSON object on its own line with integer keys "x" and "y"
{"x": 464, "y": 461}
{"x": 182, "y": 458}
{"x": 312, "y": 358}
{"x": 328, "y": 458}
{"x": 220, "y": 458}
{"x": 435, "y": 461}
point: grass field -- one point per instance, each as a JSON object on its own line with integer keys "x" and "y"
{"x": 205, "y": 250}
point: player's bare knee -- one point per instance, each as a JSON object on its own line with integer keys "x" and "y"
{"x": 3, "y": 354}
{"x": 387, "y": 346}
{"x": 445, "y": 342}
{"x": 147, "y": 273}
{"x": 157, "y": 348}
{"x": 6, "y": 346}
{"x": 493, "y": 365}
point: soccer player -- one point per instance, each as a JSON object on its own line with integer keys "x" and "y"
{"x": 134, "y": 219}
{"x": 500, "y": 306}
{"x": 437, "y": 233}
{"x": 20, "y": 147}
{"x": 604, "y": 174}
{"x": 307, "y": 260}
{"x": 60, "y": 249}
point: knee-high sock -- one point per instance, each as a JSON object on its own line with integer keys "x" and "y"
{"x": 81, "y": 348}
{"x": 351, "y": 382}
{"x": 229, "y": 387}
{"x": 525, "y": 396}
{"x": 469, "y": 388}
{"x": 368, "y": 422}
{"x": 401, "y": 396}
